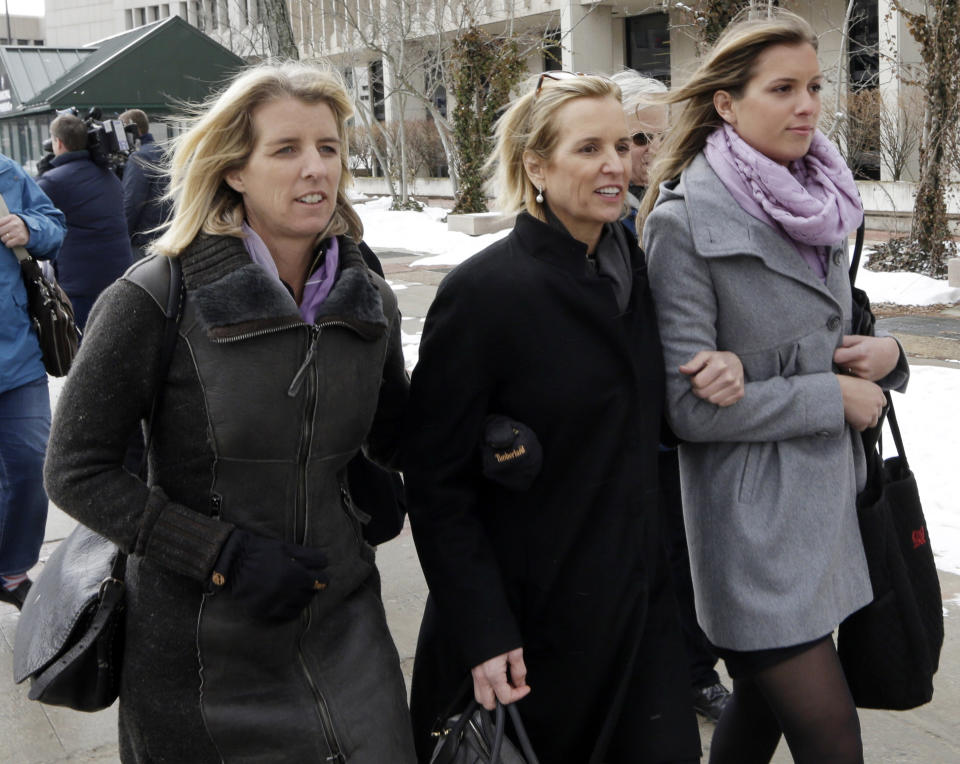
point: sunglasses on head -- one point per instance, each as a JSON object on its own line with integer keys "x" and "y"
{"x": 556, "y": 76}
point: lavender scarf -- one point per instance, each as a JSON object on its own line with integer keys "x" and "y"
{"x": 814, "y": 201}
{"x": 319, "y": 283}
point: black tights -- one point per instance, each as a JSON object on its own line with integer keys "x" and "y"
{"x": 806, "y": 698}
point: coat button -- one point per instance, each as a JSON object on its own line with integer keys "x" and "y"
{"x": 823, "y": 434}
{"x": 833, "y": 323}
{"x": 837, "y": 256}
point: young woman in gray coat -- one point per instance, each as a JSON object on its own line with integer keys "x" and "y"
{"x": 744, "y": 233}
{"x": 255, "y": 630}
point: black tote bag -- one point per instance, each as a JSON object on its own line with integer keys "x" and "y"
{"x": 890, "y": 649}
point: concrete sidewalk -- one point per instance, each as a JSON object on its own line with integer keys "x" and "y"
{"x": 31, "y": 733}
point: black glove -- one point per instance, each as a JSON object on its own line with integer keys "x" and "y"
{"x": 273, "y": 580}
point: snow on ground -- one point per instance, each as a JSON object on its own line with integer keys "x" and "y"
{"x": 927, "y": 414}
{"x": 419, "y": 232}
{"x": 902, "y": 288}
{"x": 424, "y": 232}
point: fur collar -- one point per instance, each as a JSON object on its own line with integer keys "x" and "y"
{"x": 234, "y": 297}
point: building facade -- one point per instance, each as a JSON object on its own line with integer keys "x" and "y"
{"x": 235, "y": 24}
{"x": 383, "y": 47}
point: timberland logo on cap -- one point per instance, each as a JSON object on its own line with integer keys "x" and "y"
{"x": 510, "y": 455}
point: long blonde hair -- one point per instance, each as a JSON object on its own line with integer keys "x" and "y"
{"x": 530, "y": 124}
{"x": 728, "y": 66}
{"x": 221, "y": 138}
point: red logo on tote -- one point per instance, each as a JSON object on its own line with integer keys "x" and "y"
{"x": 919, "y": 537}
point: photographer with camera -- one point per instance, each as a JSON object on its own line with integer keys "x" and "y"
{"x": 96, "y": 250}
{"x": 144, "y": 185}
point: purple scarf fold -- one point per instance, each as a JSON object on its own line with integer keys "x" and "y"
{"x": 814, "y": 201}
{"x": 319, "y": 283}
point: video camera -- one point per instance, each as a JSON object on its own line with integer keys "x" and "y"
{"x": 108, "y": 141}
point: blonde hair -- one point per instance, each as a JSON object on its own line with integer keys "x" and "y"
{"x": 221, "y": 138}
{"x": 729, "y": 66}
{"x": 530, "y": 124}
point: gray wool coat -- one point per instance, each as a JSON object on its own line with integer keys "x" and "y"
{"x": 769, "y": 484}
{"x": 260, "y": 415}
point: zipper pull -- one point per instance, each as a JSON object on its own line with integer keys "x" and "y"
{"x": 216, "y": 500}
{"x": 362, "y": 517}
{"x": 301, "y": 374}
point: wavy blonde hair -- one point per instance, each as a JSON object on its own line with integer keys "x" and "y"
{"x": 221, "y": 138}
{"x": 729, "y": 66}
{"x": 530, "y": 124}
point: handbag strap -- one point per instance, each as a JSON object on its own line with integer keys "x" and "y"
{"x": 173, "y": 311}
{"x": 522, "y": 736}
{"x": 890, "y": 414}
{"x": 895, "y": 429}
{"x": 19, "y": 251}
{"x": 857, "y": 250}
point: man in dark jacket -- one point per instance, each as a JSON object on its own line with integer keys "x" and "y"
{"x": 144, "y": 186}
{"x": 96, "y": 250}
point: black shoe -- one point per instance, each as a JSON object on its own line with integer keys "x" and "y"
{"x": 18, "y": 596}
{"x": 710, "y": 700}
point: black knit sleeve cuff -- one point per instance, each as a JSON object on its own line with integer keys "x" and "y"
{"x": 179, "y": 538}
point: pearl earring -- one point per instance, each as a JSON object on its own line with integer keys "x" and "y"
{"x": 539, "y": 195}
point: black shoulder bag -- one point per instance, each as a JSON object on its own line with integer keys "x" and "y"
{"x": 890, "y": 649}
{"x": 70, "y": 634}
{"x": 50, "y": 311}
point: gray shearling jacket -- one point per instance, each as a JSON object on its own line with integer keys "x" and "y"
{"x": 769, "y": 484}
{"x": 259, "y": 416}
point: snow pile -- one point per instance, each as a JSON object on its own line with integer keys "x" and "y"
{"x": 903, "y": 288}
{"x": 931, "y": 437}
{"x": 425, "y": 233}
{"x": 422, "y": 233}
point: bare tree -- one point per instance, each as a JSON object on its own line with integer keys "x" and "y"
{"x": 900, "y": 130}
{"x": 413, "y": 41}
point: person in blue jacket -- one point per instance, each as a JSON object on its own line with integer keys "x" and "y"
{"x": 96, "y": 250}
{"x": 144, "y": 186}
{"x": 36, "y": 224}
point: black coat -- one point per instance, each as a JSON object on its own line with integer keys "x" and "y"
{"x": 96, "y": 250}
{"x": 570, "y": 569}
{"x": 236, "y": 444}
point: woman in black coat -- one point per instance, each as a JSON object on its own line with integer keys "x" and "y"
{"x": 552, "y": 590}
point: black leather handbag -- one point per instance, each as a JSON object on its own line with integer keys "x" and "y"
{"x": 50, "y": 311}
{"x": 70, "y": 635}
{"x": 471, "y": 737}
{"x": 890, "y": 649}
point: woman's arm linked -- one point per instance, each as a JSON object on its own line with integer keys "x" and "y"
{"x": 780, "y": 407}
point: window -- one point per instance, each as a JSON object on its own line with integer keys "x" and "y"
{"x": 552, "y": 52}
{"x": 648, "y": 45}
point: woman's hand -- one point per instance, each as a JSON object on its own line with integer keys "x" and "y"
{"x": 13, "y": 231}
{"x": 870, "y": 358}
{"x": 715, "y": 376}
{"x": 863, "y": 402}
{"x": 502, "y": 678}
